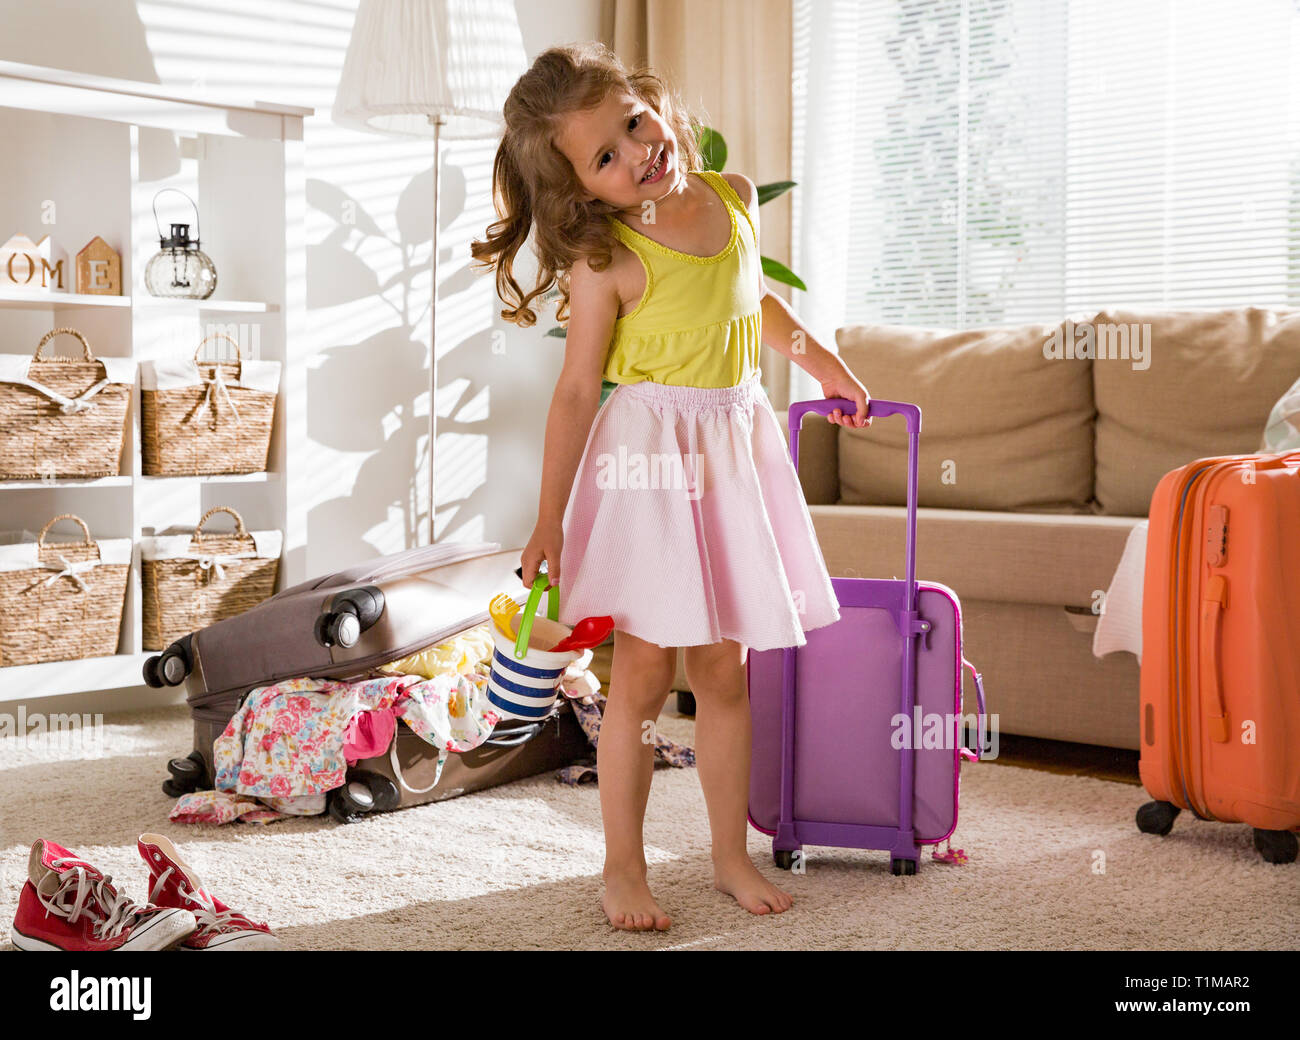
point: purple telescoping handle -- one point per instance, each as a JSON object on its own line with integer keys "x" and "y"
{"x": 875, "y": 409}
{"x": 910, "y": 626}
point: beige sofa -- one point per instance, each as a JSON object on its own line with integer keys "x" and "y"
{"x": 1035, "y": 464}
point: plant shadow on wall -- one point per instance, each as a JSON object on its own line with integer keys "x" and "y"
{"x": 362, "y": 393}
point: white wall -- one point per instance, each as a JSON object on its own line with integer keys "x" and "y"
{"x": 369, "y": 224}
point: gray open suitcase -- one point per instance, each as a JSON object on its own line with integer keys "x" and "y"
{"x": 341, "y": 627}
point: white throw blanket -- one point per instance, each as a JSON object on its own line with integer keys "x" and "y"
{"x": 1283, "y": 430}
{"x": 1120, "y": 624}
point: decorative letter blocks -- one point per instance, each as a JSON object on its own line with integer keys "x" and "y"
{"x": 99, "y": 269}
{"x": 32, "y": 266}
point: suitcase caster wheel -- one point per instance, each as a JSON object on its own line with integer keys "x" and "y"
{"x": 1157, "y": 818}
{"x": 188, "y": 770}
{"x": 349, "y": 615}
{"x": 340, "y": 813}
{"x": 187, "y": 774}
{"x": 338, "y": 630}
{"x": 170, "y": 667}
{"x": 783, "y": 858}
{"x": 363, "y": 794}
{"x": 1276, "y": 846}
{"x": 685, "y": 702}
{"x": 351, "y": 802}
{"x": 904, "y": 867}
{"x": 150, "y": 672}
{"x": 384, "y": 795}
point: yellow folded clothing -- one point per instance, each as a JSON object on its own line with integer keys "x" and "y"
{"x": 458, "y": 655}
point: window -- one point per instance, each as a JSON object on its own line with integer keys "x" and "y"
{"x": 992, "y": 162}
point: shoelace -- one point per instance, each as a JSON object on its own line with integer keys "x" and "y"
{"x": 119, "y": 910}
{"x": 205, "y": 911}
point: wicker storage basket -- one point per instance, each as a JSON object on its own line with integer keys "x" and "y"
{"x": 204, "y": 417}
{"x": 61, "y": 600}
{"x": 192, "y": 580}
{"x": 63, "y": 417}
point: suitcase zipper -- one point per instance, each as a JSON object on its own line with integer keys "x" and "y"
{"x": 438, "y": 636}
{"x": 1210, "y": 606}
{"x": 1213, "y": 596}
{"x": 351, "y": 669}
{"x": 1180, "y": 695}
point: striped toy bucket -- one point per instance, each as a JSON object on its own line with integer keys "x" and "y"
{"x": 524, "y": 681}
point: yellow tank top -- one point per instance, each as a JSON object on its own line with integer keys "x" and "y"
{"x": 699, "y": 321}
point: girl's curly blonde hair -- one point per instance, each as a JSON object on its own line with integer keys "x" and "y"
{"x": 535, "y": 186}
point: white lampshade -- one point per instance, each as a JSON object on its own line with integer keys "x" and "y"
{"x": 409, "y": 60}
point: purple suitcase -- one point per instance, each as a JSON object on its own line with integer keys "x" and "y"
{"x": 827, "y": 765}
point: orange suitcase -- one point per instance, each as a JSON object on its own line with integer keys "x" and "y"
{"x": 1220, "y": 703}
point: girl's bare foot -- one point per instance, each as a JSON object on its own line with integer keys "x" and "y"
{"x": 740, "y": 879}
{"x": 628, "y": 903}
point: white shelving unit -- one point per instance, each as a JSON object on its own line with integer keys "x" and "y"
{"x": 85, "y": 156}
{"x": 65, "y": 301}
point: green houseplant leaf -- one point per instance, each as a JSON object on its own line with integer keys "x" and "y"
{"x": 713, "y": 149}
{"x": 778, "y": 272}
{"x": 767, "y": 192}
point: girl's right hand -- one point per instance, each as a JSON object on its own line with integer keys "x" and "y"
{"x": 545, "y": 544}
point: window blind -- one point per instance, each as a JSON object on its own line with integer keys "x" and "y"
{"x": 1008, "y": 161}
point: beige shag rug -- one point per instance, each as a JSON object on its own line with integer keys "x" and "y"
{"x": 519, "y": 866}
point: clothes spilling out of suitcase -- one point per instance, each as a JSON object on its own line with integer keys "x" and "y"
{"x": 403, "y": 696}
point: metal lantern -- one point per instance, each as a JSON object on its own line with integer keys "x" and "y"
{"x": 180, "y": 270}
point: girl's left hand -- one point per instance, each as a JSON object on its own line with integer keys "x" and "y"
{"x": 843, "y": 384}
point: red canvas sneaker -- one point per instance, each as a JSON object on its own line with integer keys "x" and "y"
{"x": 173, "y": 883}
{"x": 67, "y": 904}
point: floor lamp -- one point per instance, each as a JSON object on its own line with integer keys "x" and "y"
{"x": 430, "y": 68}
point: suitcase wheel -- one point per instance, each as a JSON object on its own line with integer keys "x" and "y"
{"x": 150, "y": 671}
{"x": 1157, "y": 817}
{"x": 170, "y": 667}
{"x": 1276, "y": 846}
{"x": 783, "y": 858}
{"x": 363, "y": 794}
{"x": 341, "y": 629}
{"x": 187, "y": 774}
{"x": 349, "y": 615}
{"x": 384, "y": 795}
{"x": 905, "y": 867}
{"x": 349, "y": 803}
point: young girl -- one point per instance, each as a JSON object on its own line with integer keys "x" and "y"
{"x": 673, "y": 506}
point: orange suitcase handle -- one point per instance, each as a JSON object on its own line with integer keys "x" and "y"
{"x": 1211, "y": 625}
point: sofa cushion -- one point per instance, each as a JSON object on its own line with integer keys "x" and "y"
{"x": 818, "y": 462}
{"x": 1062, "y": 560}
{"x": 1003, "y": 426}
{"x": 1206, "y": 388}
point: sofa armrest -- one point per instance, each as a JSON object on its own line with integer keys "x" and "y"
{"x": 819, "y": 458}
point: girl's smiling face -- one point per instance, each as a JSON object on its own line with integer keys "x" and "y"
{"x": 621, "y": 150}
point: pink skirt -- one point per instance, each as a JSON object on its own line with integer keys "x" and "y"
{"x": 687, "y": 524}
